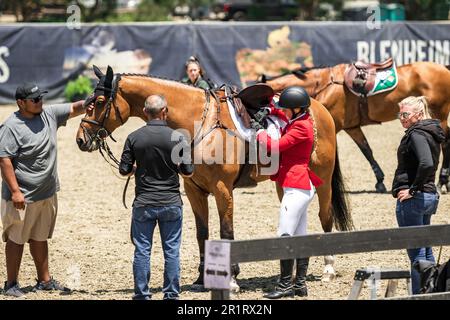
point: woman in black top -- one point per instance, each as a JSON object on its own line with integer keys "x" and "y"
{"x": 413, "y": 185}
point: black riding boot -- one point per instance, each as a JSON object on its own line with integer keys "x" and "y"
{"x": 284, "y": 286}
{"x": 300, "y": 288}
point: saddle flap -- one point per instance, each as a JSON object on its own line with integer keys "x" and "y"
{"x": 241, "y": 111}
{"x": 256, "y": 96}
{"x": 359, "y": 81}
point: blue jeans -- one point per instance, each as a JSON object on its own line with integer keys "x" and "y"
{"x": 142, "y": 227}
{"x": 417, "y": 211}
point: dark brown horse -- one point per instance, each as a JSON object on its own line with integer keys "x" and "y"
{"x": 121, "y": 97}
{"x": 421, "y": 78}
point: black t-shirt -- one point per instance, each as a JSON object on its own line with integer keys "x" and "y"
{"x": 151, "y": 148}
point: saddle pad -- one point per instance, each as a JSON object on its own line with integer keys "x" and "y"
{"x": 273, "y": 129}
{"x": 385, "y": 80}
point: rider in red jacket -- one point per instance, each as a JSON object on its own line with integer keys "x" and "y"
{"x": 296, "y": 178}
{"x": 295, "y": 147}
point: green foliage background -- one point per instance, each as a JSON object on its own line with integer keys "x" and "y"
{"x": 159, "y": 10}
{"x": 78, "y": 89}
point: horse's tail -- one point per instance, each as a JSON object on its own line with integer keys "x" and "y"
{"x": 341, "y": 215}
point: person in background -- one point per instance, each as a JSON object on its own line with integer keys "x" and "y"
{"x": 413, "y": 185}
{"x": 195, "y": 74}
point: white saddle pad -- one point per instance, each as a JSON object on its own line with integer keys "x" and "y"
{"x": 273, "y": 130}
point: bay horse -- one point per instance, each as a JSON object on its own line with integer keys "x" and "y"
{"x": 416, "y": 79}
{"x": 120, "y": 96}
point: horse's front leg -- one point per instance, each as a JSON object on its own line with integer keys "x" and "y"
{"x": 360, "y": 139}
{"x": 324, "y": 194}
{"x": 224, "y": 201}
{"x": 199, "y": 203}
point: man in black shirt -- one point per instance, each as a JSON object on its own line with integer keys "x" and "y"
{"x": 159, "y": 153}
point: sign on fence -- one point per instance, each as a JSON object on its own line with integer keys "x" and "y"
{"x": 217, "y": 265}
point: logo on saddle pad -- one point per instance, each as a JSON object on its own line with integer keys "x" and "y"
{"x": 370, "y": 79}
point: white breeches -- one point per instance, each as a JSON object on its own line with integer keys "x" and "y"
{"x": 293, "y": 211}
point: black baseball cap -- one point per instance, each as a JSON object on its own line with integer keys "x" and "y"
{"x": 29, "y": 91}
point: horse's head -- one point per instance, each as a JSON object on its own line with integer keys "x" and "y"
{"x": 106, "y": 116}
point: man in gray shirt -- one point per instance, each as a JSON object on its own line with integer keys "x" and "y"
{"x": 30, "y": 181}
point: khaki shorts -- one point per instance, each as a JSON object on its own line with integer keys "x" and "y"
{"x": 35, "y": 223}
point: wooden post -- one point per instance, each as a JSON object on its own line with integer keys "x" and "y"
{"x": 217, "y": 294}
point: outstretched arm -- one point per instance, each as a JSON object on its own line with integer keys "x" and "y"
{"x": 80, "y": 107}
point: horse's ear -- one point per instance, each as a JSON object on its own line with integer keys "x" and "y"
{"x": 109, "y": 71}
{"x": 109, "y": 76}
{"x": 97, "y": 72}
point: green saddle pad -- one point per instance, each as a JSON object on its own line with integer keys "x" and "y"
{"x": 386, "y": 80}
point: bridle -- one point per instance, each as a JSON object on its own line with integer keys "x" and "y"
{"x": 317, "y": 89}
{"x": 102, "y": 133}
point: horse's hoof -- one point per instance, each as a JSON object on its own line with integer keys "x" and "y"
{"x": 380, "y": 187}
{"x": 328, "y": 277}
{"x": 328, "y": 274}
{"x": 199, "y": 281}
{"x": 234, "y": 287}
{"x": 443, "y": 188}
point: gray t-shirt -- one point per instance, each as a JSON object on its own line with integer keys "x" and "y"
{"x": 31, "y": 145}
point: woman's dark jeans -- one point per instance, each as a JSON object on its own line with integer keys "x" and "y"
{"x": 417, "y": 211}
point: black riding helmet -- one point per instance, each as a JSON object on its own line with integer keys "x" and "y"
{"x": 294, "y": 97}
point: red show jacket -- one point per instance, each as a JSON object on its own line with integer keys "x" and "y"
{"x": 295, "y": 147}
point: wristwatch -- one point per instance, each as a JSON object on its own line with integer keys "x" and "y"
{"x": 412, "y": 191}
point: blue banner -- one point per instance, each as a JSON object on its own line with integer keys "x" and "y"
{"x": 232, "y": 53}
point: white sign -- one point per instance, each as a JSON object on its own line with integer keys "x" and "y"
{"x": 4, "y": 69}
{"x": 404, "y": 51}
{"x": 217, "y": 265}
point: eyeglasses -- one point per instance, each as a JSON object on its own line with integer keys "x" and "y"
{"x": 405, "y": 115}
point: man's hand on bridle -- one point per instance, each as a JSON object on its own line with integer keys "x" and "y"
{"x": 88, "y": 104}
